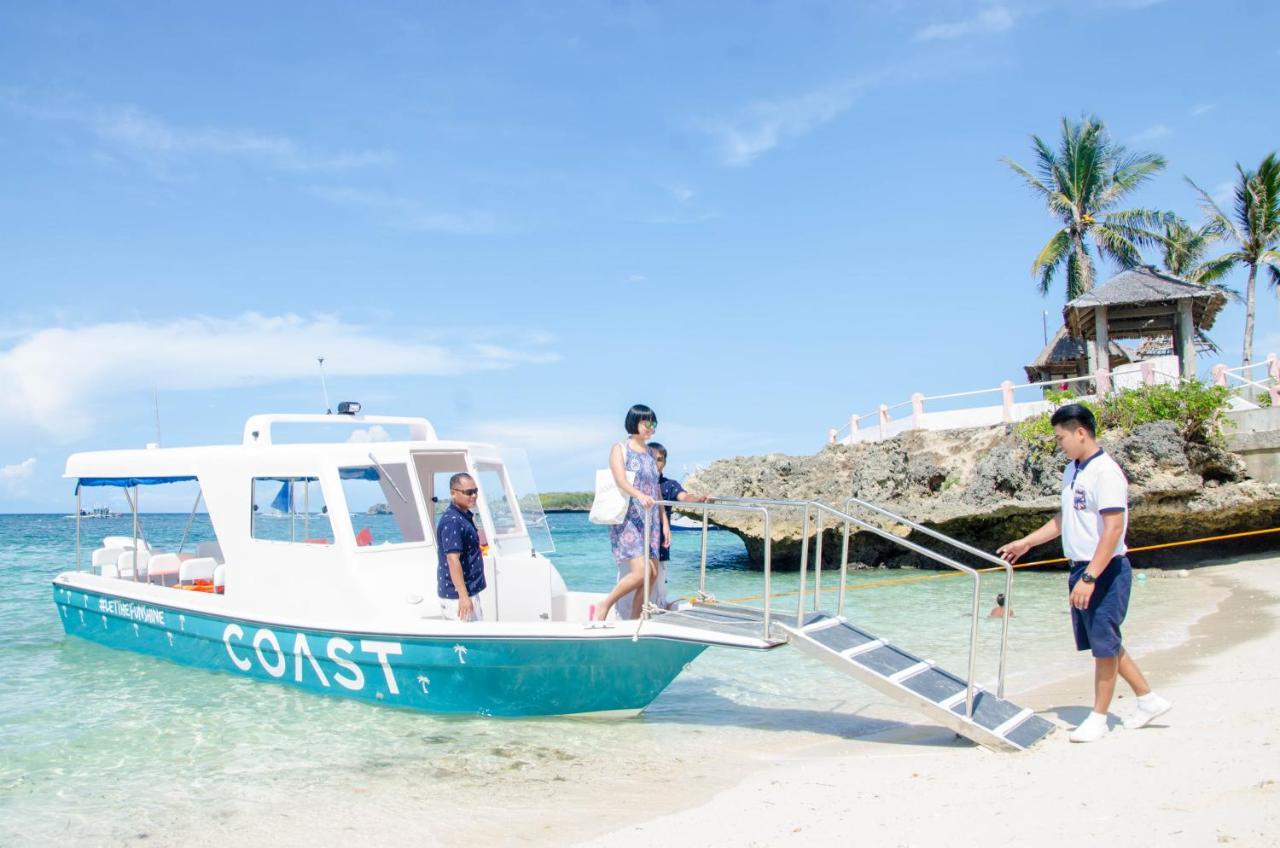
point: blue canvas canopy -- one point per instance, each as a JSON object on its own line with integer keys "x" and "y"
{"x": 130, "y": 482}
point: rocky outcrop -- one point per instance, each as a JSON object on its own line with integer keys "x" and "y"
{"x": 986, "y": 486}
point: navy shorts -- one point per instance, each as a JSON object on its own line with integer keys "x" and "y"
{"x": 1097, "y": 627}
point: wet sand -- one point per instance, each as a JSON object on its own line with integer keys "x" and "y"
{"x": 1206, "y": 773}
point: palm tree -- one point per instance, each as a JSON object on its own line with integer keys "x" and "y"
{"x": 1082, "y": 183}
{"x": 1182, "y": 252}
{"x": 1254, "y": 226}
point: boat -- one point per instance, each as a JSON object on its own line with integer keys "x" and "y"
{"x": 96, "y": 512}
{"x": 688, "y": 522}
{"x": 295, "y": 590}
{"x": 302, "y": 586}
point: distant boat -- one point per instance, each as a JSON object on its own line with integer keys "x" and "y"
{"x": 685, "y": 522}
{"x": 97, "y": 512}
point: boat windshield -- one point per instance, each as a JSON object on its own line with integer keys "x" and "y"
{"x": 527, "y": 501}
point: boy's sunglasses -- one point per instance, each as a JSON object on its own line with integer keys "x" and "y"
{"x": 652, "y": 425}
{"x": 471, "y": 493}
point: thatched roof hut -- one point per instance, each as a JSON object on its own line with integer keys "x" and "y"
{"x": 1064, "y": 357}
{"x": 1142, "y": 302}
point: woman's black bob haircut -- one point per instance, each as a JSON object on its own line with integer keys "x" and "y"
{"x": 1078, "y": 414}
{"x": 639, "y": 413}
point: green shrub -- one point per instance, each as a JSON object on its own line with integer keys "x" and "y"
{"x": 1195, "y": 408}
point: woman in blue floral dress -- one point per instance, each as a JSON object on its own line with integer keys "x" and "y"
{"x": 627, "y": 538}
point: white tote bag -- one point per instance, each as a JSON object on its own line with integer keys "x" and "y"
{"x": 610, "y": 504}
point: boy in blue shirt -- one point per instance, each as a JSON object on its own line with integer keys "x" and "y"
{"x": 671, "y": 491}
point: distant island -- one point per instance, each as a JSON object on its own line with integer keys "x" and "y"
{"x": 567, "y": 501}
{"x": 379, "y": 509}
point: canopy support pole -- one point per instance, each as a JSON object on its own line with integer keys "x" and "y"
{"x": 190, "y": 520}
{"x": 77, "y": 526}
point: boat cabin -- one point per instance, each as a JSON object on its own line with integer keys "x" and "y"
{"x": 342, "y": 529}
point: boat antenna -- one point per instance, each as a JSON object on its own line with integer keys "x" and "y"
{"x": 324, "y": 388}
{"x": 155, "y": 397}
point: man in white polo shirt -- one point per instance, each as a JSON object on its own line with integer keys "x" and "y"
{"x": 1092, "y": 523}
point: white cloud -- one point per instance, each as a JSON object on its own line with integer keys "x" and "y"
{"x": 990, "y": 20}
{"x": 18, "y": 471}
{"x": 1201, "y": 109}
{"x": 57, "y": 379}
{"x": 682, "y": 193}
{"x": 764, "y": 124}
{"x": 637, "y": 278}
{"x": 1150, "y": 134}
{"x": 376, "y": 433}
{"x": 130, "y": 128}
{"x": 1224, "y": 194}
{"x": 408, "y": 214}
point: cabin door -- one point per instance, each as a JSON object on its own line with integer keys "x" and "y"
{"x": 434, "y": 470}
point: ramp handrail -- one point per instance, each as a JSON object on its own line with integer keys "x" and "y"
{"x": 705, "y": 508}
{"x": 820, "y": 508}
{"x": 955, "y": 543}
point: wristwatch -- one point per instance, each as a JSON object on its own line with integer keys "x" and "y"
{"x": 1087, "y": 578}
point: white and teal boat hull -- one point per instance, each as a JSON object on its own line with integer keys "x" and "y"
{"x": 596, "y": 671}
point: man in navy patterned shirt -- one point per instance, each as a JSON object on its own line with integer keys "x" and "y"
{"x": 460, "y": 572}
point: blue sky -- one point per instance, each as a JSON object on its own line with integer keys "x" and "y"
{"x": 518, "y": 219}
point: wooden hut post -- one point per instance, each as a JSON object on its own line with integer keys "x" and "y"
{"x": 917, "y": 411}
{"x": 1220, "y": 375}
{"x": 1102, "y": 340}
{"x": 884, "y": 418}
{"x": 1006, "y": 401}
{"x": 853, "y": 427}
{"x": 1184, "y": 340}
{"x": 1149, "y": 373}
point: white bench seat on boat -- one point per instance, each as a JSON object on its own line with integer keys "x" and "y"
{"x": 124, "y": 543}
{"x": 125, "y": 564}
{"x": 200, "y": 568}
{"x": 103, "y": 558}
{"x": 163, "y": 568}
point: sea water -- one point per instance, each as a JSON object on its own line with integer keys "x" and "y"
{"x": 103, "y": 746}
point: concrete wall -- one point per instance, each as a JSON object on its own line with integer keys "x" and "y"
{"x": 1256, "y": 440}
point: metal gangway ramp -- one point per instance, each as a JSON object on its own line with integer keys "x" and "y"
{"x": 947, "y": 698}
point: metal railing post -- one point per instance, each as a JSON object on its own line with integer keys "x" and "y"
{"x": 768, "y": 570}
{"x": 817, "y": 566}
{"x": 644, "y": 601}
{"x": 702, "y": 567}
{"x": 804, "y": 566}
{"x": 844, "y": 568}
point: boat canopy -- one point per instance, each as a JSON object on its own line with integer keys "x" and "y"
{"x": 130, "y": 482}
{"x": 364, "y": 473}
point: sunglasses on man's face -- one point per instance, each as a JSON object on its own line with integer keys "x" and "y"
{"x": 652, "y": 425}
{"x": 471, "y": 493}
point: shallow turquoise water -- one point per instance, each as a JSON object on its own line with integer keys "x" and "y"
{"x": 97, "y": 744}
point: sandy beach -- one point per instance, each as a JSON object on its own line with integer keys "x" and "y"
{"x": 1207, "y": 773}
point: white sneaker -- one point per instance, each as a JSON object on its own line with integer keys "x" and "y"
{"x": 1150, "y": 707}
{"x": 1091, "y": 729}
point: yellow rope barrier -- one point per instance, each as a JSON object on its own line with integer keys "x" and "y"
{"x": 944, "y": 576}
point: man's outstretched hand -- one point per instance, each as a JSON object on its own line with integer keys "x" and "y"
{"x": 1013, "y": 551}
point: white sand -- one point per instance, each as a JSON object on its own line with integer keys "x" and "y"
{"x": 1204, "y": 775}
{"x": 1207, "y": 773}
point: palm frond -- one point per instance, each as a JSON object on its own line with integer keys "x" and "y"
{"x": 1050, "y": 257}
{"x": 1208, "y": 273}
{"x": 1219, "y": 221}
{"x": 1116, "y": 243}
{"x": 1031, "y": 179}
